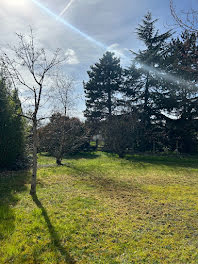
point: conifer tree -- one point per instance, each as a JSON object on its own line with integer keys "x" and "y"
{"x": 131, "y": 89}
{"x": 147, "y": 82}
{"x": 179, "y": 97}
{"x": 150, "y": 60}
{"x": 18, "y": 124}
{"x": 12, "y": 134}
{"x": 5, "y": 125}
{"x": 105, "y": 78}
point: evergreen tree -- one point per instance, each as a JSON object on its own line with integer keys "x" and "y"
{"x": 131, "y": 89}
{"x": 146, "y": 81}
{"x": 12, "y": 137}
{"x": 18, "y": 128}
{"x": 105, "y": 79}
{"x": 150, "y": 60}
{"x": 179, "y": 97}
{"x": 5, "y": 126}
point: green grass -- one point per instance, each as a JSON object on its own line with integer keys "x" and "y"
{"x": 101, "y": 209}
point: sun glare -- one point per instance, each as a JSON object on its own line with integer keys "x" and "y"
{"x": 15, "y": 3}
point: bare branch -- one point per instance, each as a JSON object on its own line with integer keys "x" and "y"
{"x": 38, "y": 65}
{"x": 189, "y": 21}
{"x": 64, "y": 92}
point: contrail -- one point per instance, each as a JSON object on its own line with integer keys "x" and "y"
{"x": 66, "y": 8}
{"x": 68, "y": 25}
{"x": 73, "y": 28}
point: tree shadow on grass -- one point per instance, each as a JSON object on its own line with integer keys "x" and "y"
{"x": 185, "y": 161}
{"x": 110, "y": 186}
{"x": 53, "y": 234}
{"x": 82, "y": 155}
{"x": 11, "y": 183}
{"x": 76, "y": 156}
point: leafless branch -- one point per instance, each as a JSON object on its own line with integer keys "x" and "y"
{"x": 64, "y": 92}
{"x": 189, "y": 20}
{"x": 26, "y": 55}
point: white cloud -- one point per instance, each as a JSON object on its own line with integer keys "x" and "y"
{"x": 71, "y": 57}
{"x": 122, "y": 53}
{"x": 116, "y": 49}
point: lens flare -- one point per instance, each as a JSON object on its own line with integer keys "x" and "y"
{"x": 67, "y": 24}
{"x": 170, "y": 78}
{"x": 166, "y": 76}
{"x": 78, "y": 31}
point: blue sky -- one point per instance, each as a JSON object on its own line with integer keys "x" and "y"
{"x": 111, "y": 22}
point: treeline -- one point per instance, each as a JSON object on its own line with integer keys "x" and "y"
{"x": 151, "y": 105}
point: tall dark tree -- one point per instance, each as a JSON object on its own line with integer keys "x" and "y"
{"x": 150, "y": 60}
{"x": 105, "y": 78}
{"x": 5, "y": 116}
{"x": 145, "y": 80}
{"x": 179, "y": 98}
{"x": 131, "y": 89}
{"x": 12, "y": 132}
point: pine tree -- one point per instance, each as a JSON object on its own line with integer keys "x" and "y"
{"x": 105, "y": 79}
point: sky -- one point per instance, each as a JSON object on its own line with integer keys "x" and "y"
{"x": 84, "y": 29}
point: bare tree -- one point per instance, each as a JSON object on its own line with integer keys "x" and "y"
{"x": 64, "y": 93}
{"x": 187, "y": 20}
{"x": 30, "y": 66}
{"x": 64, "y": 97}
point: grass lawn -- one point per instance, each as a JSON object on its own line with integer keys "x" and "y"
{"x": 102, "y": 209}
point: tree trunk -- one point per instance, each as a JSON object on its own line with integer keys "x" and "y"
{"x": 96, "y": 143}
{"x": 109, "y": 103}
{"x": 154, "y": 146}
{"x": 109, "y": 97}
{"x": 60, "y": 152}
{"x": 62, "y": 139}
{"x": 58, "y": 161}
{"x": 146, "y": 98}
{"x": 34, "y": 169}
